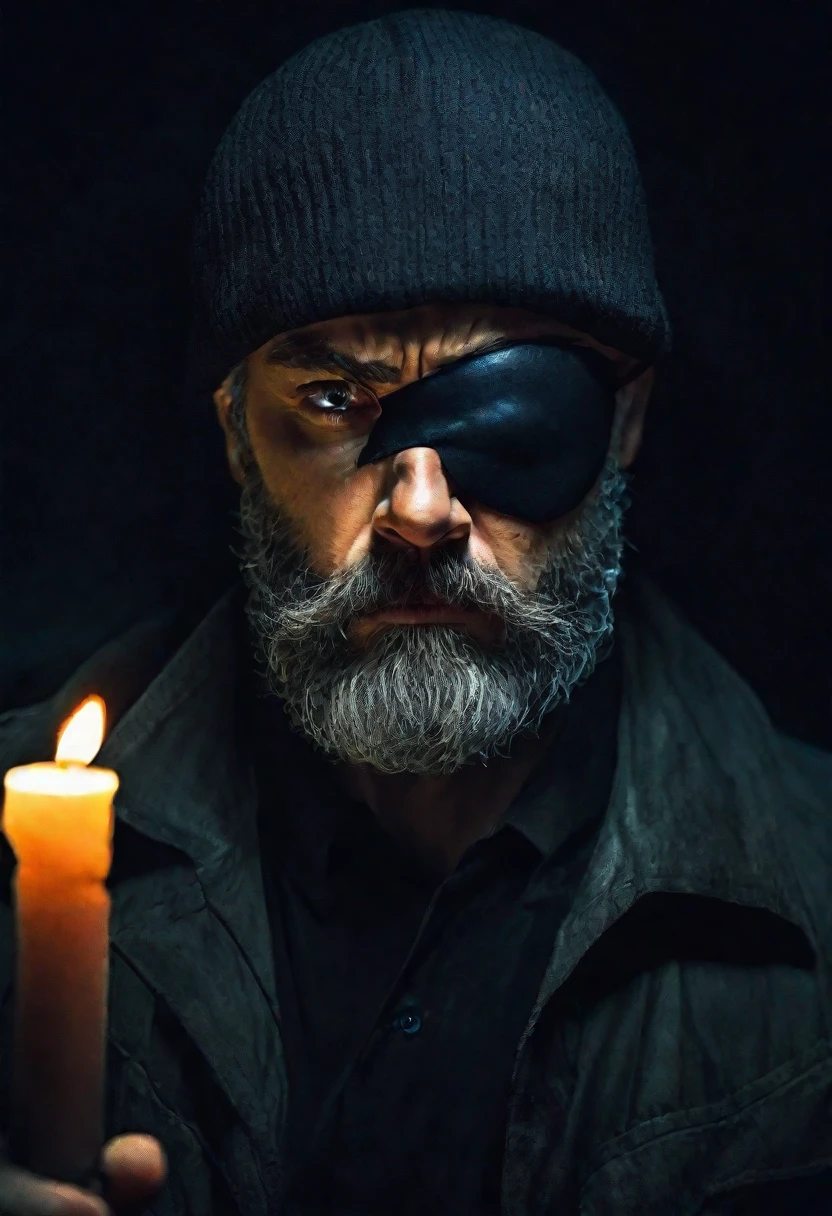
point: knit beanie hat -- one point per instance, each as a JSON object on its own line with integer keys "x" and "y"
{"x": 428, "y": 155}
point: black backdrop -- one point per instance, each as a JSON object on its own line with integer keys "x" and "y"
{"x": 114, "y": 493}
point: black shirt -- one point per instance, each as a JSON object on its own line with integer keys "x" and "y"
{"x": 403, "y": 1001}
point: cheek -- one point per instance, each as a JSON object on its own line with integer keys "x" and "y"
{"x": 328, "y": 500}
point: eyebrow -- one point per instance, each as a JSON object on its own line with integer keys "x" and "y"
{"x": 318, "y": 355}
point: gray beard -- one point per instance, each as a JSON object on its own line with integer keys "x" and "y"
{"x": 428, "y": 699}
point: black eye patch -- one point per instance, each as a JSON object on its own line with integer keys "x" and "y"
{"x": 523, "y": 430}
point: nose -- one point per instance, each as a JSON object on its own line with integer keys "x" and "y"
{"x": 419, "y": 508}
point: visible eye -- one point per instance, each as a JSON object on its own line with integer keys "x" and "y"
{"x": 336, "y": 398}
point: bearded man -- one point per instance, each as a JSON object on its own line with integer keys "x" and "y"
{"x": 438, "y": 887}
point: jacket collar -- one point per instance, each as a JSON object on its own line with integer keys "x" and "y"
{"x": 699, "y": 800}
{"x": 180, "y": 748}
{"x": 697, "y": 827}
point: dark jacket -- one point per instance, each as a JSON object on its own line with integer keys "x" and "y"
{"x": 678, "y": 1058}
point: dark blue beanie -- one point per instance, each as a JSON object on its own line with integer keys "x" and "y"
{"x": 424, "y": 156}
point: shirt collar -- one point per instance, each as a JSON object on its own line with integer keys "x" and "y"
{"x": 570, "y": 784}
{"x": 307, "y": 813}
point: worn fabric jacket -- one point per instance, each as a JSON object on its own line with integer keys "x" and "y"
{"x": 678, "y": 1057}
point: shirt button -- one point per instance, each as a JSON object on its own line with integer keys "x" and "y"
{"x": 408, "y": 1021}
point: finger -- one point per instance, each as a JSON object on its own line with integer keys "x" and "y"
{"x": 135, "y": 1169}
{"x": 25, "y": 1194}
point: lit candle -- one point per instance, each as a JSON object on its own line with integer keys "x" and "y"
{"x": 58, "y": 818}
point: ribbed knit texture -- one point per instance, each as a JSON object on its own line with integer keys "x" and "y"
{"x": 428, "y": 155}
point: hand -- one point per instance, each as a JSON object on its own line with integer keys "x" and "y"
{"x": 135, "y": 1169}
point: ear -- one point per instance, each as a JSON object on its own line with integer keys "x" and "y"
{"x": 222, "y": 401}
{"x": 628, "y": 426}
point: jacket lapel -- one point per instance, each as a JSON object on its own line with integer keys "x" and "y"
{"x": 186, "y": 953}
{"x": 186, "y": 781}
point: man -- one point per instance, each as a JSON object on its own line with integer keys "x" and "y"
{"x": 437, "y": 888}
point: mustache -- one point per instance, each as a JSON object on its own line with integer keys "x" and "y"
{"x": 398, "y": 579}
{"x": 384, "y": 580}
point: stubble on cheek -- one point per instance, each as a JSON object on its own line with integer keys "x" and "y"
{"x": 327, "y": 503}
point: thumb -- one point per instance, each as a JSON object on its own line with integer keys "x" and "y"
{"x": 135, "y": 1169}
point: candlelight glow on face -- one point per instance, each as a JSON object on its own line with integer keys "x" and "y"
{"x": 81, "y": 736}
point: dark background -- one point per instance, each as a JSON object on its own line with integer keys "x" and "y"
{"x": 114, "y": 494}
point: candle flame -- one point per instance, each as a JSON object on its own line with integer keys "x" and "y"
{"x": 81, "y": 736}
